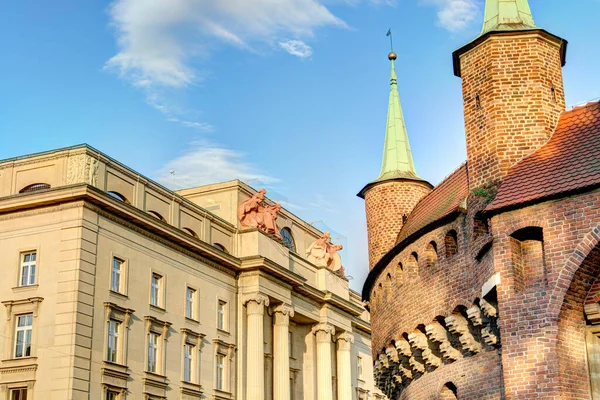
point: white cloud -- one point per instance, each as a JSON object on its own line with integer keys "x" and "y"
{"x": 205, "y": 162}
{"x": 159, "y": 39}
{"x": 456, "y": 15}
{"x": 296, "y": 48}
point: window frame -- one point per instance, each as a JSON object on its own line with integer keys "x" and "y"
{"x": 26, "y": 342}
{"x": 156, "y": 290}
{"x": 220, "y": 372}
{"x": 121, "y": 315}
{"x": 160, "y": 329}
{"x": 359, "y": 367}
{"x": 12, "y": 391}
{"x": 14, "y": 309}
{"x": 224, "y": 350}
{"x": 123, "y": 274}
{"x": 153, "y": 343}
{"x": 222, "y": 315}
{"x": 28, "y": 264}
{"x": 193, "y": 339}
{"x": 191, "y": 304}
{"x": 113, "y": 354}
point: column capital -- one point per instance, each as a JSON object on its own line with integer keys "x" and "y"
{"x": 344, "y": 340}
{"x": 284, "y": 309}
{"x": 324, "y": 328}
{"x": 257, "y": 297}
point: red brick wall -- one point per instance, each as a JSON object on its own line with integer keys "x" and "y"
{"x": 385, "y": 205}
{"x": 542, "y": 336}
{"x": 517, "y": 112}
{"x": 541, "y": 322}
{"x": 476, "y": 378}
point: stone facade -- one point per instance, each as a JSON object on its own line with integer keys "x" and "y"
{"x": 117, "y": 288}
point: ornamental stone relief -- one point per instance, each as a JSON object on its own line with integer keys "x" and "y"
{"x": 82, "y": 168}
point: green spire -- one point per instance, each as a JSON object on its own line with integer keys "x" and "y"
{"x": 507, "y": 15}
{"x": 397, "y": 157}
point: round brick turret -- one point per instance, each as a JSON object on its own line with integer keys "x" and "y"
{"x": 387, "y": 204}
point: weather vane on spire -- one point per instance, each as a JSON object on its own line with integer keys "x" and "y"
{"x": 389, "y": 34}
{"x": 392, "y": 56}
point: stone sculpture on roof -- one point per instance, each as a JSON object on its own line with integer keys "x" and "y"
{"x": 323, "y": 253}
{"x": 254, "y": 213}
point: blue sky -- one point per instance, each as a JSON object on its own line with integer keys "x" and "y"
{"x": 291, "y": 94}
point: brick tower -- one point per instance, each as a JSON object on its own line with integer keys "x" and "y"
{"x": 512, "y": 89}
{"x": 393, "y": 195}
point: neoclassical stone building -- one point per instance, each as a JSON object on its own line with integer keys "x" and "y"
{"x": 116, "y": 288}
{"x": 487, "y": 285}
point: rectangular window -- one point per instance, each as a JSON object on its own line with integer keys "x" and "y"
{"x": 28, "y": 268}
{"x": 221, "y": 315}
{"x": 18, "y": 394}
{"x": 23, "y": 332}
{"x": 190, "y": 303}
{"x": 220, "y": 372}
{"x": 188, "y": 362}
{"x": 152, "y": 352}
{"x": 359, "y": 367}
{"x": 155, "y": 288}
{"x": 113, "y": 341}
{"x": 290, "y": 344}
{"x": 112, "y": 395}
{"x": 117, "y": 275}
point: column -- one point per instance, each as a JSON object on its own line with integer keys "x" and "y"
{"x": 255, "y": 361}
{"x": 324, "y": 332}
{"x": 344, "y": 378}
{"x": 281, "y": 352}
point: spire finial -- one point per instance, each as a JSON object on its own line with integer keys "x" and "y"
{"x": 507, "y": 15}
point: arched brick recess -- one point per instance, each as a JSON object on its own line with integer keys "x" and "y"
{"x": 571, "y": 347}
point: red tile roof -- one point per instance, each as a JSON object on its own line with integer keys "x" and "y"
{"x": 443, "y": 200}
{"x": 569, "y": 161}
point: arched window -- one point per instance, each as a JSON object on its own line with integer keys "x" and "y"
{"x": 480, "y": 225}
{"x": 448, "y": 392}
{"x": 399, "y": 274}
{"x": 413, "y": 262}
{"x": 34, "y": 188}
{"x": 190, "y": 232}
{"x": 431, "y": 254}
{"x": 118, "y": 196}
{"x": 288, "y": 239}
{"x": 388, "y": 284}
{"x": 527, "y": 255}
{"x": 157, "y": 215}
{"x": 451, "y": 243}
{"x": 220, "y": 247}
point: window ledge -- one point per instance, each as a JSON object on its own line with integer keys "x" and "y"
{"x": 222, "y": 395}
{"x": 191, "y": 389}
{"x": 156, "y": 377}
{"x": 158, "y": 308}
{"x": 117, "y": 366}
{"x": 19, "y": 362}
{"x": 25, "y": 288}
{"x": 192, "y": 320}
{"x": 118, "y": 294}
{"x": 221, "y": 331}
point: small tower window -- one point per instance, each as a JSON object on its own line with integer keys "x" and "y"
{"x": 477, "y": 102}
{"x": 553, "y": 93}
